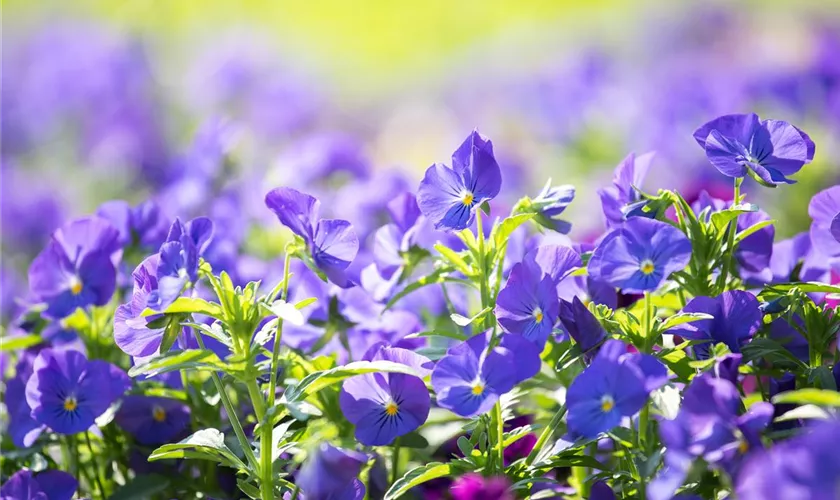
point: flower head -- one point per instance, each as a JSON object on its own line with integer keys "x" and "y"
{"x": 639, "y": 255}
{"x": 66, "y": 392}
{"x": 736, "y": 318}
{"x": 550, "y": 204}
{"x": 528, "y": 304}
{"x": 333, "y": 473}
{"x": 153, "y": 420}
{"x": 76, "y": 269}
{"x": 470, "y": 379}
{"x": 768, "y": 150}
{"x": 384, "y": 406}
{"x": 332, "y": 243}
{"x": 629, "y": 176}
{"x": 132, "y": 331}
{"x": 582, "y": 326}
{"x": 614, "y": 386}
{"x": 143, "y": 225}
{"x": 449, "y": 197}
{"x": 45, "y": 485}
{"x": 178, "y": 263}
{"x": 823, "y": 209}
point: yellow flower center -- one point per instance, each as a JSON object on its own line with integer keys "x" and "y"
{"x": 647, "y": 266}
{"x": 75, "y": 285}
{"x": 538, "y": 315}
{"x": 743, "y": 446}
{"x": 159, "y": 414}
{"x": 391, "y": 408}
{"x": 70, "y": 404}
{"x": 607, "y": 403}
{"x": 478, "y": 389}
{"x": 467, "y": 199}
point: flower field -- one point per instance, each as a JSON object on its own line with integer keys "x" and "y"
{"x": 612, "y": 272}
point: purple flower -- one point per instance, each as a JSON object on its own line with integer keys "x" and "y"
{"x": 153, "y": 420}
{"x": 823, "y": 210}
{"x": 332, "y": 243}
{"x": 639, "y": 255}
{"x": 332, "y": 473}
{"x": 736, "y": 318}
{"x": 528, "y": 304}
{"x": 384, "y": 406}
{"x": 178, "y": 263}
{"x": 708, "y": 426}
{"x": 23, "y": 429}
{"x": 143, "y": 225}
{"x": 550, "y": 204}
{"x": 132, "y": 332}
{"x": 582, "y": 326}
{"x": 67, "y": 392}
{"x": 601, "y": 491}
{"x": 76, "y": 267}
{"x": 629, "y": 176}
{"x": 45, "y": 485}
{"x": 768, "y": 150}
{"x": 615, "y": 385}
{"x": 477, "y": 487}
{"x": 470, "y": 379}
{"x": 450, "y": 196}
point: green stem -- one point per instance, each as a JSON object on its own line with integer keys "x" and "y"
{"x": 234, "y": 420}
{"x": 500, "y": 432}
{"x": 482, "y": 264}
{"x": 545, "y": 436}
{"x": 732, "y": 228}
{"x": 395, "y": 461}
{"x": 278, "y": 334}
{"x": 646, "y": 324}
{"x": 95, "y": 465}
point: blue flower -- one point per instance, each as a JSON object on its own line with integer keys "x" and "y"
{"x": 332, "y": 473}
{"x": 736, "y": 317}
{"x": 153, "y": 420}
{"x": 528, "y": 304}
{"x": 629, "y": 176}
{"x": 45, "y": 485}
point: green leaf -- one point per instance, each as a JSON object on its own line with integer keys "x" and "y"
{"x": 317, "y": 381}
{"x": 683, "y": 318}
{"x": 804, "y": 412}
{"x": 437, "y": 276}
{"x": 437, "y": 333}
{"x": 721, "y": 219}
{"x": 170, "y": 333}
{"x": 679, "y": 363}
{"x": 206, "y": 444}
{"x": 805, "y": 287}
{"x": 464, "y": 321}
{"x": 454, "y": 258}
{"x": 19, "y": 342}
{"x": 770, "y": 350}
{"x": 141, "y": 487}
{"x": 194, "y": 359}
{"x": 508, "y": 226}
{"x": 305, "y": 302}
{"x": 819, "y": 397}
{"x": 248, "y": 488}
{"x": 416, "y": 477}
{"x": 190, "y": 305}
{"x": 285, "y": 311}
{"x": 752, "y": 229}
{"x": 414, "y": 440}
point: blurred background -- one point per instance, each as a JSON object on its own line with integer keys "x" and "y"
{"x": 205, "y": 106}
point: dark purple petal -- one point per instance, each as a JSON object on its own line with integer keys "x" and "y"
{"x": 335, "y": 244}
{"x": 56, "y": 484}
{"x": 295, "y": 210}
{"x": 738, "y": 127}
{"x": 441, "y": 190}
{"x": 475, "y": 162}
{"x": 153, "y": 420}
{"x": 727, "y": 155}
{"x": 783, "y": 147}
{"x": 557, "y": 261}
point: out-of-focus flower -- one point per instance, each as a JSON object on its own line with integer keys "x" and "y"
{"x": 76, "y": 269}
{"x": 601, "y": 491}
{"x": 528, "y": 304}
{"x": 615, "y": 385}
{"x": 153, "y": 420}
{"x": 178, "y": 262}
{"x": 143, "y": 225}
{"x": 622, "y": 197}
{"x": 23, "y": 429}
{"x": 582, "y": 326}
{"x": 384, "y": 406}
{"x": 550, "y": 204}
{"x": 67, "y": 392}
{"x": 449, "y": 197}
{"x": 736, "y": 319}
{"x": 469, "y": 380}
{"x": 45, "y": 485}
{"x": 823, "y": 209}
{"x": 477, "y": 487}
{"x": 768, "y": 150}
{"x": 333, "y": 473}
{"x": 333, "y": 243}
{"x": 639, "y": 255}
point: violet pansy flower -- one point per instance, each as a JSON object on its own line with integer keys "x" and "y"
{"x": 76, "y": 269}
{"x": 331, "y": 472}
{"x": 332, "y": 243}
{"x": 384, "y": 406}
{"x": 639, "y": 255}
{"x": 153, "y": 420}
{"x": 768, "y": 150}
{"x": 614, "y": 386}
{"x": 179, "y": 259}
{"x": 824, "y": 209}
{"x": 582, "y": 326}
{"x": 621, "y": 198}
{"x": 449, "y": 197}
{"x": 67, "y": 392}
{"x": 143, "y": 225}
{"x": 736, "y": 317}
{"x": 132, "y": 331}
{"x": 528, "y": 304}
{"x": 469, "y": 380}
{"x": 45, "y": 485}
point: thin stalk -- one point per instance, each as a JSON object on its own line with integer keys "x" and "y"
{"x": 234, "y": 420}
{"x": 500, "y": 431}
{"x": 545, "y": 436}
{"x": 482, "y": 264}
{"x": 732, "y": 228}
{"x": 646, "y": 323}
{"x": 395, "y": 461}
{"x": 95, "y": 465}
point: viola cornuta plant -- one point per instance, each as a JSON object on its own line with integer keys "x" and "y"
{"x": 456, "y": 350}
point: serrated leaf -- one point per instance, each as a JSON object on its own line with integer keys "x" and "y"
{"x": 207, "y": 444}
{"x": 416, "y": 477}
{"x": 683, "y": 318}
{"x": 195, "y": 359}
{"x": 19, "y": 342}
{"x": 819, "y": 397}
{"x": 320, "y": 380}
{"x": 454, "y": 258}
{"x": 508, "y": 226}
